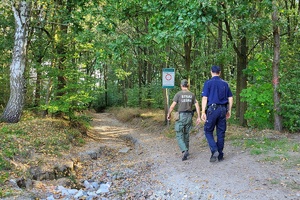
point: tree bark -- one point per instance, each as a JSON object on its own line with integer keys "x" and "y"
{"x": 242, "y": 80}
{"x": 61, "y": 49}
{"x": 13, "y": 110}
{"x": 106, "y": 84}
{"x": 140, "y": 77}
{"x": 241, "y": 52}
{"x": 220, "y": 45}
{"x": 187, "y": 57}
{"x": 275, "y": 67}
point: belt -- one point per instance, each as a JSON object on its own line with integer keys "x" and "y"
{"x": 214, "y": 105}
{"x": 186, "y": 112}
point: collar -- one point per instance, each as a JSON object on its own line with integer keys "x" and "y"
{"x": 216, "y": 77}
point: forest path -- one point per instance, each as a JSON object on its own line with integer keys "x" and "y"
{"x": 161, "y": 174}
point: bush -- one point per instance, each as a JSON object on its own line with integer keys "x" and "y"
{"x": 258, "y": 94}
{"x": 289, "y": 88}
{"x": 290, "y": 101}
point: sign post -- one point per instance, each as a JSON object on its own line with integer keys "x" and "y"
{"x": 168, "y": 80}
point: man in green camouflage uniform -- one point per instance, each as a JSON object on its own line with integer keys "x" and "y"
{"x": 185, "y": 100}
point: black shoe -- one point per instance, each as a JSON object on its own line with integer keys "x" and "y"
{"x": 220, "y": 157}
{"x": 214, "y": 156}
{"x": 185, "y": 155}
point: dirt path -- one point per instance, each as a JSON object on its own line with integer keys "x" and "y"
{"x": 159, "y": 172}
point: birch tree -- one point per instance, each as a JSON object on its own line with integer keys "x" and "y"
{"x": 13, "y": 110}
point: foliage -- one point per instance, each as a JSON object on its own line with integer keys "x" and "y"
{"x": 114, "y": 98}
{"x": 6, "y": 46}
{"x": 289, "y": 89}
{"x": 151, "y": 97}
{"x": 75, "y": 99}
{"x": 111, "y": 53}
{"x": 258, "y": 94}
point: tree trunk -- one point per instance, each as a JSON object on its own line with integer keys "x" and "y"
{"x": 275, "y": 67}
{"x": 241, "y": 52}
{"x": 220, "y": 46}
{"x": 37, "y": 94}
{"x": 124, "y": 89}
{"x": 140, "y": 77}
{"x": 149, "y": 72}
{"x": 62, "y": 45}
{"x": 13, "y": 111}
{"x": 241, "y": 81}
{"x": 106, "y": 84}
{"x": 187, "y": 57}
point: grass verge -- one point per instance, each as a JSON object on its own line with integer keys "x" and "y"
{"x": 270, "y": 145}
{"x": 27, "y": 143}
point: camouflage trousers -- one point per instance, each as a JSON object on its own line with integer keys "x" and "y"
{"x": 183, "y": 127}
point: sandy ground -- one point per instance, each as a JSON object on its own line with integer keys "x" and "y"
{"x": 239, "y": 176}
{"x": 141, "y": 163}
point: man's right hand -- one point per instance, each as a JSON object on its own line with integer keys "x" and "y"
{"x": 228, "y": 114}
{"x": 168, "y": 117}
{"x": 203, "y": 117}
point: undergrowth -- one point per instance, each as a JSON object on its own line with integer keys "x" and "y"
{"x": 22, "y": 142}
{"x": 270, "y": 145}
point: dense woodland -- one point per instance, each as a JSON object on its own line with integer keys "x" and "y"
{"x": 64, "y": 56}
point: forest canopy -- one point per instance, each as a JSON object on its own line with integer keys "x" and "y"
{"x": 61, "y": 57}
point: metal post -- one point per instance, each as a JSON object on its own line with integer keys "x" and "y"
{"x": 168, "y": 104}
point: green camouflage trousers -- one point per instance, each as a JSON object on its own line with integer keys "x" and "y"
{"x": 183, "y": 127}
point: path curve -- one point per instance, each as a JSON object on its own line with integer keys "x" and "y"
{"x": 239, "y": 176}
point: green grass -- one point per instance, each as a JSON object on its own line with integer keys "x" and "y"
{"x": 3, "y": 176}
{"x": 270, "y": 145}
{"x": 273, "y": 148}
{"x": 4, "y": 164}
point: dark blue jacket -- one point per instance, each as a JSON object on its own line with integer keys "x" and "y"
{"x": 216, "y": 90}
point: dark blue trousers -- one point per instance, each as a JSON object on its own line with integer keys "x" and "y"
{"x": 215, "y": 118}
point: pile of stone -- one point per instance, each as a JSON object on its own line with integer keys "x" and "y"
{"x": 91, "y": 190}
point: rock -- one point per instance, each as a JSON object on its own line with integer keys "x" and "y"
{"x": 104, "y": 188}
{"x": 50, "y": 198}
{"x": 87, "y": 185}
{"x": 29, "y": 183}
{"x": 92, "y": 194}
{"x": 68, "y": 192}
{"x": 79, "y": 194}
{"x": 124, "y": 150}
{"x": 95, "y": 185}
{"x": 65, "y": 182}
{"x": 64, "y": 170}
{"x": 13, "y": 183}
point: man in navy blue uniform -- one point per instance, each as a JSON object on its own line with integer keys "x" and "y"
{"x": 216, "y": 105}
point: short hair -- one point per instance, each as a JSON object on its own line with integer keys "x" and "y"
{"x": 184, "y": 83}
{"x": 215, "y": 69}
